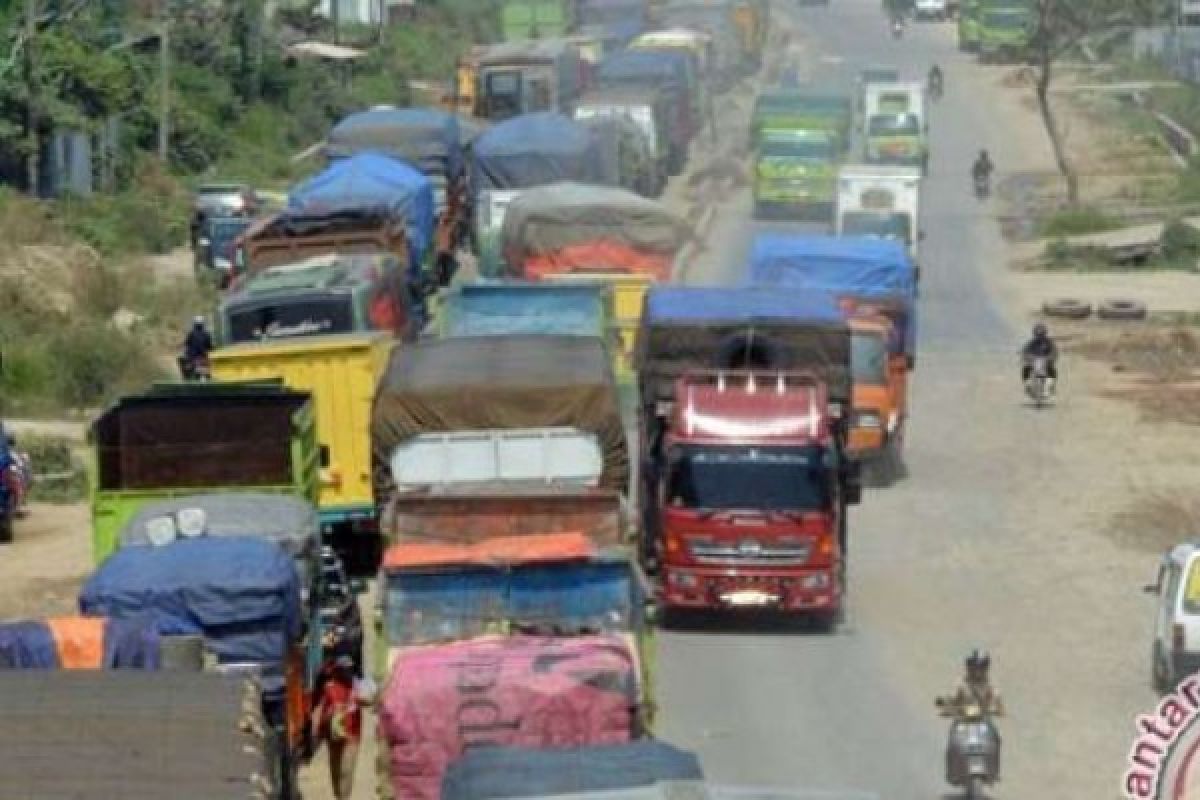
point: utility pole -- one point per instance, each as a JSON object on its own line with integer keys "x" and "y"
{"x": 32, "y": 118}
{"x": 164, "y": 77}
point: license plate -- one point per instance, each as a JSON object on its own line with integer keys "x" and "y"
{"x": 749, "y": 597}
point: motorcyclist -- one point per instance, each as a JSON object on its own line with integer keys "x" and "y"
{"x": 983, "y": 166}
{"x": 1040, "y": 346}
{"x": 975, "y": 695}
{"x": 935, "y": 80}
{"x": 196, "y": 346}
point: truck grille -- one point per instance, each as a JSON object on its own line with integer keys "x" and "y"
{"x": 749, "y": 552}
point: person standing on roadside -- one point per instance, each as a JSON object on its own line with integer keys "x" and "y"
{"x": 337, "y": 720}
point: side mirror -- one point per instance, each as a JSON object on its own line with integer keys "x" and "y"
{"x": 653, "y": 612}
{"x": 1150, "y": 588}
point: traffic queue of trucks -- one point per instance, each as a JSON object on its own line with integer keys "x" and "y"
{"x": 530, "y": 458}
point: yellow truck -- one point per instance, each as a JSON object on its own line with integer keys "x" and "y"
{"x": 341, "y": 371}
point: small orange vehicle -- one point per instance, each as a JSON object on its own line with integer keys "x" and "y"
{"x": 880, "y": 394}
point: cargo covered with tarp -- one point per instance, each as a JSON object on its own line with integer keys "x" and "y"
{"x": 500, "y": 382}
{"x": 522, "y": 691}
{"x": 427, "y": 138}
{"x": 862, "y": 269}
{"x": 534, "y": 149}
{"x": 80, "y": 643}
{"x": 701, "y": 328}
{"x": 490, "y": 309}
{"x": 370, "y": 183}
{"x": 241, "y": 594}
{"x": 512, "y": 773}
{"x": 291, "y": 523}
{"x": 114, "y": 734}
{"x": 570, "y": 227}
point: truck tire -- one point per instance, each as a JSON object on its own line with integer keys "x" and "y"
{"x": 1067, "y": 308}
{"x": 6, "y": 528}
{"x": 1121, "y": 309}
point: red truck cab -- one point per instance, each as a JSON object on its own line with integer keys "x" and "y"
{"x": 753, "y": 495}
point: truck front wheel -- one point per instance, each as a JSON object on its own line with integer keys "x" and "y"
{"x": 6, "y": 528}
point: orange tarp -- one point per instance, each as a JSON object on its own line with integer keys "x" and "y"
{"x": 536, "y": 548}
{"x": 598, "y": 256}
{"x": 80, "y": 641}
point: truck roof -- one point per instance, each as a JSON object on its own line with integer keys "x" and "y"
{"x": 766, "y": 407}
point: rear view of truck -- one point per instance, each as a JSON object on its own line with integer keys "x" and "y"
{"x": 199, "y": 439}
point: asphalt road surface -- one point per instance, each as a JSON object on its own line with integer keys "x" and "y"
{"x": 950, "y": 558}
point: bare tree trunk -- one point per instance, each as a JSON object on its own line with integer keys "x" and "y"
{"x": 1045, "y": 67}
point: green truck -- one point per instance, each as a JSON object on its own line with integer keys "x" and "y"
{"x": 199, "y": 438}
{"x": 1005, "y": 29}
{"x": 800, "y": 139}
{"x": 536, "y": 19}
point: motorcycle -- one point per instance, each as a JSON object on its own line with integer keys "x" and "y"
{"x": 935, "y": 89}
{"x": 972, "y": 750}
{"x": 983, "y": 184}
{"x": 195, "y": 369}
{"x": 1037, "y": 385}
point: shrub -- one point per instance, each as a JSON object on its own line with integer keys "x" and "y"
{"x": 1077, "y": 221}
{"x": 1180, "y": 243}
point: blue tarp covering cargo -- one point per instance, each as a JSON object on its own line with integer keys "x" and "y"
{"x": 534, "y": 149}
{"x": 427, "y": 138}
{"x": 841, "y": 263}
{"x": 77, "y": 642}
{"x": 501, "y": 773}
{"x": 688, "y": 328}
{"x": 429, "y": 606}
{"x": 242, "y": 594}
{"x": 690, "y": 304}
{"x": 487, "y": 309}
{"x": 866, "y": 267}
{"x": 370, "y": 183}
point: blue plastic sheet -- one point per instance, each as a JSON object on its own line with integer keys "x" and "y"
{"x": 499, "y": 773}
{"x": 691, "y": 304}
{"x": 489, "y": 310}
{"x": 27, "y": 644}
{"x": 370, "y": 183}
{"x": 850, "y": 263}
{"x": 532, "y": 150}
{"x": 241, "y": 594}
{"x": 441, "y": 605}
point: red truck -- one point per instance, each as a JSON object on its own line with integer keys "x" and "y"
{"x": 746, "y": 481}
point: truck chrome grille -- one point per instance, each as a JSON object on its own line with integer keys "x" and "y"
{"x": 749, "y": 552}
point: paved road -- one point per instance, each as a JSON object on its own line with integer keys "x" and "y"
{"x": 853, "y": 710}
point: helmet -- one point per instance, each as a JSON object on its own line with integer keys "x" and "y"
{"x": 978, "y": 662}
{"x": 198, "y": 321}
{"x": 344, "y": 662}
{"x": 1039, "y": 331}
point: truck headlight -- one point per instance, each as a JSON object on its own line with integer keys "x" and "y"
{"x": 893, "y": 422}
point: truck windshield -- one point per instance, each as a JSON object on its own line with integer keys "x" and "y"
{"x": 748, "y": 478}
{"x": 502, "y": 93}
{"x": 798, "y": 148}
{"x": 868, "y": 359}
{"x": 884, "y": 224}
{"x": 1009, "y": 19}
{"x": 222, "y": 233}
{"x": 894, "y": 125}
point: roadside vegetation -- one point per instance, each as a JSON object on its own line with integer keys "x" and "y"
{"x": 84, "y": 316}
{"x": 1156, "y": 521}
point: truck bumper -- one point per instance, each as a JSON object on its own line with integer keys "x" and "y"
{"x": 799, "y": 590}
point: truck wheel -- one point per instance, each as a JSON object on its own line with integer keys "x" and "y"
{"x": 6, "y": 529}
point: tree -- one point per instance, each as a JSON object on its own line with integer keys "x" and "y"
{"x": 1060, "y": 26}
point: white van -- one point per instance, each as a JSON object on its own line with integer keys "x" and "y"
{"x": 1176, "y": 650}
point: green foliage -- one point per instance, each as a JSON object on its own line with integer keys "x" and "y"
{"x": 1181, "y": 244}
{"x": 65, "y": 480}
{"x": 1077, "y": 221}
{"x": 150, "y": 216}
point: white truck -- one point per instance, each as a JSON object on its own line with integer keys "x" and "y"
{"x": 879, "y": 200}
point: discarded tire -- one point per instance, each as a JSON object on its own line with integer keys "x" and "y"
{"x": 1067, "y": 308}
{"x": 1121, "y": 309}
